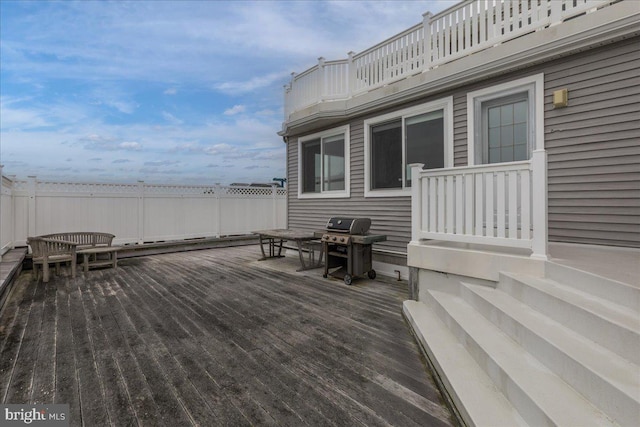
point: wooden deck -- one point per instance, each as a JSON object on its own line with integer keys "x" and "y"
{"x": 215, "y": 337}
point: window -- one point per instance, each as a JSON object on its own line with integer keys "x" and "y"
{"x": 386, "y": 155}
{"x": 505, "y": 125}
{"x": 394, "y": 141}
{"x": 323, "y": 164}
{"x": 505, "y": 121}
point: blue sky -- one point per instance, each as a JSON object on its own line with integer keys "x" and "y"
{"x": 167, "y": 91}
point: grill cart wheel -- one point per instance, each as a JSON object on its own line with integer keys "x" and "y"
{"x": 371, "y": 274}
{"x": 348, "y": 279}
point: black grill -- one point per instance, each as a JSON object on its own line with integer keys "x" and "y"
{"x": 347, "y": 248}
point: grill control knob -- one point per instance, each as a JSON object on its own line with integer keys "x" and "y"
{"x": 342, "y": 239}
{"x": 334, "y": 238}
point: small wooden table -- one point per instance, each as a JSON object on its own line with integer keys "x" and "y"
{"x": 276, "y": 237}
{"x": 112, "y": 256}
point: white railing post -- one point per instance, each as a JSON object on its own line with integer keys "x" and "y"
{"x": 351, "y": 75}
{"x": 426, "y": 22}
{"x": 140, "y": 212}
{"x": 321, "y": 78}
{"x": 416, "y": 200}
{"x": 540, "y": 202}
{"x": 31, "y": 206}
{"x": 556, "y": 12}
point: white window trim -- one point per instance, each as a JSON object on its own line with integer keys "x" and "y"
{"x": 505, "y": 89}
{"x": 445, "y": 104}
{"x": 334, "y": 194}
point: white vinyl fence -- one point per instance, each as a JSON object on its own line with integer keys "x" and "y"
{"x": 136, "y": 213}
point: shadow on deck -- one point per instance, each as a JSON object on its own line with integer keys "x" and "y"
{"x": 214, "y": 337}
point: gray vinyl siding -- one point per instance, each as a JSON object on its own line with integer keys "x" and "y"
{"x": 593, "y": 149}
{"x": 390, "y": 216}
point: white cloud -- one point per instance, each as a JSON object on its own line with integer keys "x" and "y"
{"x": 171, "y": 118}
{"x": 171, "y": 91}
{"x": 130, "y": 145}
{"x": 236, "y": 109}
{"x": 254, "y": 83}
{"x": 220, "y": 149}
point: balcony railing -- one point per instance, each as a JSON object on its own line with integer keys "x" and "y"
{"x": 135, "y": 213}
{"x": 498, "y": 204}
{"x": 464, "y": 29}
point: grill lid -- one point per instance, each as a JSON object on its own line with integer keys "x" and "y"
{"x": 349, "y": 225}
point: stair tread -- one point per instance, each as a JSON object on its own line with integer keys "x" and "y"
{"x": 608, "y": 365}
{"x": 615, "y": 313}
{"x": 480, "y": 398}
{"x": 556, "y": 399}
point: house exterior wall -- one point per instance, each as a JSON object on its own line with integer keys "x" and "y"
{"x": 593, "y": 149}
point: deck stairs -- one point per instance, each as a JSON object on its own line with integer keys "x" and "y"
{"x": 559, "y": 350}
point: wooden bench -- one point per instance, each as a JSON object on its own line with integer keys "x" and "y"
{"x": 90, "y": 245}
{"x": 47, "y": 251}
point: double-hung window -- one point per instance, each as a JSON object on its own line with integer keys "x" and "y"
{"x": 505, "y": 121}
{"x": 324, "y": 164}
{"x": 421, "y": 134}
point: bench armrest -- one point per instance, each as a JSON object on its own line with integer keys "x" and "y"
{"x": 57, "y": 247}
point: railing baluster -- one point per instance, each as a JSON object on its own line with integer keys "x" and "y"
{"x": 525, "y": 203}
{"x": 513, "y": 204}
{"x": 468, "y": 204}
{"x": 433, "y": 201}
{"x": 450, "y": 198}
{"x": 501, "y": 208}
{"x": 441, "y": 204}
{"x": 460, "y": 206}
{"x": 479, "y": 199}
{"x": 489, "y": 201}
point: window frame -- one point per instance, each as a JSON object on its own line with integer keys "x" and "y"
{"x": 326, "y": 194}
{"x": 533, "y": 86}
{"x": 444, "y": 104}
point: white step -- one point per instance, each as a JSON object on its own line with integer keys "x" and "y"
{"x": 540, "y": 396}
{"x": 610, "y": 325}
{"x": 611, "y": 290}
{"x": 599, "y": 374}
{"x": 474, "y": 395}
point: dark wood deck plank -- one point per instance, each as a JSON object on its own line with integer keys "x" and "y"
{"x": 66, "y": 390}
{"x": 17, "y": 310}
{"x": 44, "y": 379}
{"x": 213, "y": 337}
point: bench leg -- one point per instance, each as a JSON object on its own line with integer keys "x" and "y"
{"x": 85, "y": 262}
{"x": 73, "y": 267}
{"x": 115, "y": 259}
{"x": 45, "y": 272}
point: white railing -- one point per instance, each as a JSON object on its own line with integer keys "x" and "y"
{"x": 498, "y": 204}
{"x": 136, "y": 213}
{"x": 466, "y": 28}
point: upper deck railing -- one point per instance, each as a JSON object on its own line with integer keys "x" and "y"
{"x": 464, "y": 29}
